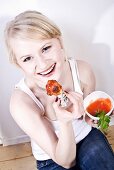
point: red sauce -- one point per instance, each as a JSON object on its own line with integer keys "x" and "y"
{"x": 101, "y": 104}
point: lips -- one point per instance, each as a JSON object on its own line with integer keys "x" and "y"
{"x": 48, "y": 71}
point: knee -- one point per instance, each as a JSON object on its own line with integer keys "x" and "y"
{"x": 91, "y": 152}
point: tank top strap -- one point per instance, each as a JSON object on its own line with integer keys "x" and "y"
{"x": 21, "y": 85}
{"x": 75, "y": 75}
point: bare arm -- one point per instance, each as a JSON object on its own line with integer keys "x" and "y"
{"x": 28, "y": 116}
{"x": 65, "y": 121}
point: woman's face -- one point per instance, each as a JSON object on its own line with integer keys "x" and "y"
{"x": 40, "y": 60}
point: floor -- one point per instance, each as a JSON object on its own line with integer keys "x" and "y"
{"x": 19, "y": 157}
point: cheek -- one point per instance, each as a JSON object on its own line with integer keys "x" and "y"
{"x": 27, "y": 68}
{"x": 60, "y": 55}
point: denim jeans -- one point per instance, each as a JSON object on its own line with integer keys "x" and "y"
{"x": 93, "y": 153}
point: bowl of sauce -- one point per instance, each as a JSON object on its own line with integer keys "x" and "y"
{"x": 97, "y": 102}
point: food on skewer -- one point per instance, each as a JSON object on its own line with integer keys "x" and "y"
{"x": 54, "y": 88}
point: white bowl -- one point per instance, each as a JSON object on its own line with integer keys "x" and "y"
{"x": 94, "y": 96}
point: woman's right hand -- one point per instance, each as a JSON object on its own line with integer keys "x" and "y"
{"x": 74, "y": 111}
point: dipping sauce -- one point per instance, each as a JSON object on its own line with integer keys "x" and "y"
{"x": 99, "y": 105}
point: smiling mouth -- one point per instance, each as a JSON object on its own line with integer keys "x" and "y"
{"x": 48, "y": 71}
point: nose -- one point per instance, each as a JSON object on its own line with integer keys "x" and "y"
{"x": 40, "y": 63}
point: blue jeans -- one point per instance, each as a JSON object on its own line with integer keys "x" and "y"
{"x": 93, "y": 153}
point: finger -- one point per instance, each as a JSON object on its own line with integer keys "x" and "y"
{"x": 56, "y": 104}
{"x": 95, "y": 121}
{"x": 57, "y": 107}
{"x": 91, "y": 122}
{"x": 112, "y": 113}
{"x": 80, "y": 118}
{"x": 78, "y": 113}
{"x": 87, "y": 119}
{"x": 61, "y": 113}
{"x": 77, "y": 116}
{"x": 72, "y": 98}
{"x": 77, "y": 96}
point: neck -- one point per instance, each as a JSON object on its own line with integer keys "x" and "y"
{"x": 66, "y": 79}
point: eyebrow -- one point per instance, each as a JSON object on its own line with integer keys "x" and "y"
{"x": 46, "y": 44}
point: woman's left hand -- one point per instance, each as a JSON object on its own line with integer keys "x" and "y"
{"x": 112, "y": 114}
{"x": 94, "y": 122}
{"x": 90, "y": 121}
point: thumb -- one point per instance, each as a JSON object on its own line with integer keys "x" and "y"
{"x": 56, "y": 104}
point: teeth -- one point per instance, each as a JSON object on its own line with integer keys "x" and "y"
{"x": 48, "y": 71}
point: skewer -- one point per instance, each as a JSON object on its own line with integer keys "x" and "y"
{"x": 54, "y": 88}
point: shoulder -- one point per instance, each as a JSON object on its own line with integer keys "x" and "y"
{"x": 85, "y": 70}
{"x": 87, "y": 76}
{"x": 20, "y": 101}
{"x": 17, "y": 97}
{"x": 83, "y": 65}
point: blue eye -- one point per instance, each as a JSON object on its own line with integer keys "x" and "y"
{"x": 27, "y": 59}
{"x": 45, "y": 49}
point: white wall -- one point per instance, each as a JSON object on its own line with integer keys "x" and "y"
{"x": 88, "y": 32}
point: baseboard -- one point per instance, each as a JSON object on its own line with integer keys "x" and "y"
{"x": 16, "y": 140}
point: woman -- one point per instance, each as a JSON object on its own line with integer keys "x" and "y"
{"x": 60, "y": 138}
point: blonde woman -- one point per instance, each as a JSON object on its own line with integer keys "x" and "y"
{"x": 60, "y": 138}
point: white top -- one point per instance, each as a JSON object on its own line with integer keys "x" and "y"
{"x": 81, "y": 128}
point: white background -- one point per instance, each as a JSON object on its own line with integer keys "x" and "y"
{"x": 88, "y": 33}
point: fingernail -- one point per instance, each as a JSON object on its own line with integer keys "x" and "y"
{"x": 56, "y": 99}
{"x": 66, "y": 92}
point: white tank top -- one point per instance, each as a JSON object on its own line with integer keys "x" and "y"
{"x": 80, "y": 127}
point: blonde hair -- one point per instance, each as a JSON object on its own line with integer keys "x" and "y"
{"x": 32, "y": 25}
